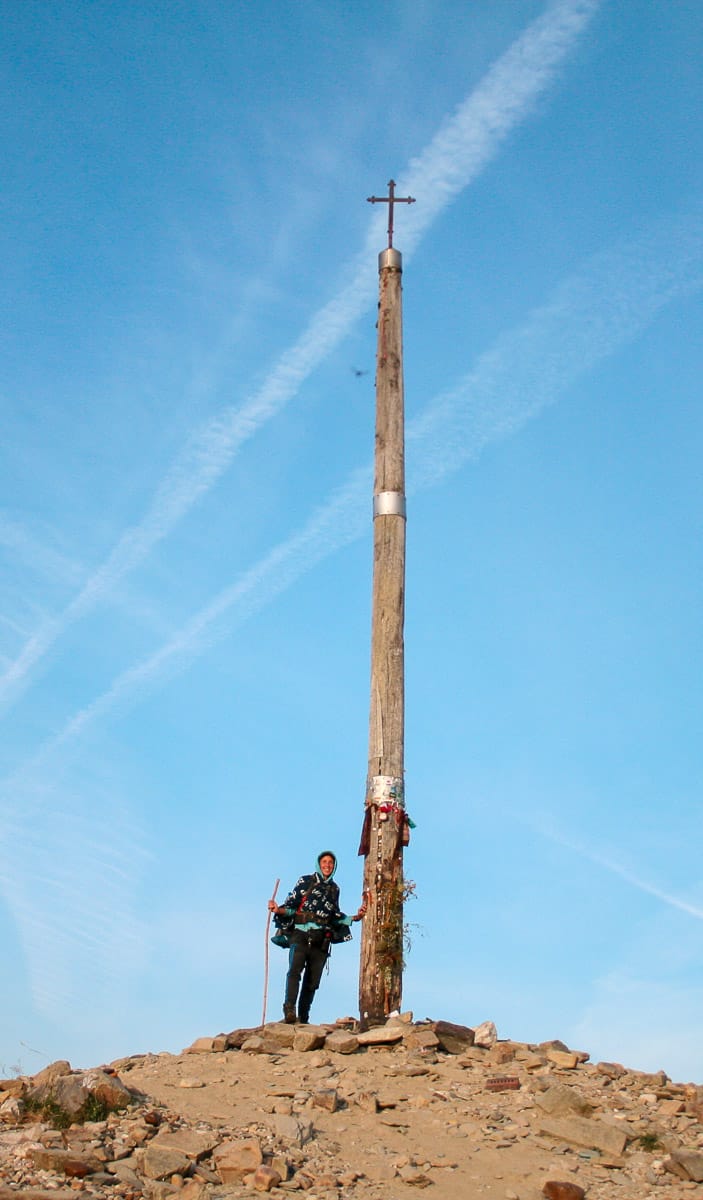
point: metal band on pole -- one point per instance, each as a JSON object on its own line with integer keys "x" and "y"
{"x": 390, "y": 258}
{"x": 389, "y": 504}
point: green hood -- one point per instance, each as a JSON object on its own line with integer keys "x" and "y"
{"x": 322, "y": 855}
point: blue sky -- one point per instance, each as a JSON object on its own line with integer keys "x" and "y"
{"x": 186, "y": 379}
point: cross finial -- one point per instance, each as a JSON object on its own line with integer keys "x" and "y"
{"x": 390, "y": 200}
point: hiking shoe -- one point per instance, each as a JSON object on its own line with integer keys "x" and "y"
{"x": 289, "y": 1016}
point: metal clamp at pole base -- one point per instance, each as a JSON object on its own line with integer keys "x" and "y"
{"x": 389, "y": 504}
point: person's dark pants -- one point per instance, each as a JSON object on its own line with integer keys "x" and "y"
{"x": 307, "y": 957}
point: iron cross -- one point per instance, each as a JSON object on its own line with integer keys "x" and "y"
{"x": 390, "y": 200}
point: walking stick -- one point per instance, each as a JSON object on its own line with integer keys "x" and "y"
{"x": 266, "y": 955}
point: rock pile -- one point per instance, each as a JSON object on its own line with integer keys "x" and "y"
{"x": 334, "y": 1111}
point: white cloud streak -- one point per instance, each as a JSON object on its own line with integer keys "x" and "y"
{"x": 474, "y": 134}
{"x": 41, "y": 559}
{"x": 588, "y": 317}
{"x": 68, "y": 875}
{"x": 616, "y": 868}
{"x": 464, "y": 145}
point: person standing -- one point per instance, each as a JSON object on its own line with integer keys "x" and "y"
{"x": 313, "y": 908}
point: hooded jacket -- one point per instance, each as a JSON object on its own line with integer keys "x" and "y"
{"x": 321, "y": 896}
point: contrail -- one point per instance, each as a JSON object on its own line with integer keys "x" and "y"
{"x": 629, "y": 876}
{"x": 588, "y": 317}
{"x": 339, "y": 521}
{"x": 68, "y": 876}
{"x": 40, "y": 558}
{"x": 473, "y": 135}
{"x": 461, "y": 149}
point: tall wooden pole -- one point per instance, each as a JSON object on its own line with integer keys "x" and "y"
{"x": 385, "y": 821}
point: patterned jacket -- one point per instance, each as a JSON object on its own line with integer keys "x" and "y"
{"x": 321, "y": 909}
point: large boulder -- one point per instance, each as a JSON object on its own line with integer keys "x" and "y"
{"x": 308, "y": 1037}
{"x": 561, "y": 1100}
{"x": 63, "y": 1162}
{"x": 381, "y": 1035}
{"x": 235, "y": 1159}
{"x": 485, "y": 1035}
{"x": 453, "y": 1039}
{"x": 342, "y": 1042}
{"x": 236, "y": 1039}
{"x": 421, "y": 1037}
{"x": 48, "y": 1076}
{"x": 583, "y": 1131}
{"x": 278, "y": 1036}
{"x": 687, "y": 1164}
{"x": 70, "y": 1092}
